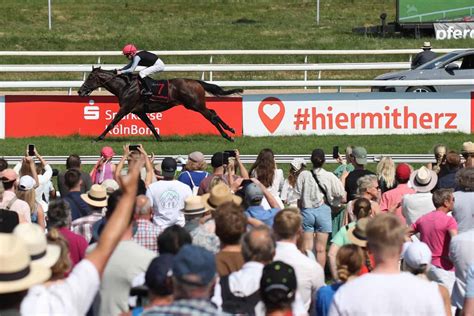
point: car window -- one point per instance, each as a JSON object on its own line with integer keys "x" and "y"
{"x": 467, "y": 62}
{"x": 438, "y": 61}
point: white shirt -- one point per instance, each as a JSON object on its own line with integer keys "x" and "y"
{"x": 167, "y": 200}
{"x": 43, "y": 185}
{"x": 388, "y": 294}
{"x": 463, "y": 210}
{"x": 71, "y": 297}
{"x": 245, "y": 282}
{"x": 461, "y": 253}
{"x": 309, "y": 274}
{"x": 277, "y": 185}
{"x": 416, "y": 205}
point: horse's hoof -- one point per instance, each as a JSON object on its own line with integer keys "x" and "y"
{"x": 232, "y": 130}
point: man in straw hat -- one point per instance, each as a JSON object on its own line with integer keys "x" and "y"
{"x": 425, "y": 56}
{"x": 468, "y": 154}
{"x": 96, "y": 198}
{"x": 75, "y": 295}
{"x": 419, "y": 203}
{"x": 386, "y": 291}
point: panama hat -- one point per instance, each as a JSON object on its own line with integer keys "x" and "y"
{"x": 194, "y": 205}
{"x": 426, "y": 45}
{"x": 96, "y": 196}
{"x": 35, "y": 240}
{"x": 467, "y": 148}
{"x": 17, "y": 273}
{"x": 219, "y": 195}
{"x": 423, "y": 180}
{"x": 357, "y": 233}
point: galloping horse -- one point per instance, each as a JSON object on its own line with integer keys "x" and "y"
{"x": 188, "y": 92}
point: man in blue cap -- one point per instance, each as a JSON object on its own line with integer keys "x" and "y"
{"x": 194, "y": 277}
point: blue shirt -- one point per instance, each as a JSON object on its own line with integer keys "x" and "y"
{"x": 324, "y": 298}
{"x": 258, "y": 212}
{"x": 79, "y": 208}
{"x": 190, "y": 177}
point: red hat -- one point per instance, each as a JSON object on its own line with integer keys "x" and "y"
{"x": 107, "y": 152}
{"x": 403, "y": 171}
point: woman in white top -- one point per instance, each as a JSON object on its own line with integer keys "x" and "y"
{"x": 265, "y": 170}
{"x": 288, "y": 191}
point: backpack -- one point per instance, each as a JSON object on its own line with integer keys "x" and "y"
{"x": 195, "y": 188}
{"x": 235, "y": 304}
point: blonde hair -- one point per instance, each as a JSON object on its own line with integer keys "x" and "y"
{"x": 29, "y": 197}
{"x": 386, "y": 171}
{"x": 349, "y": 260}
{"x": 64, "y": 263}
{"x": 287, "y": 223}
{"x": 193, "y": 165}
{"x": 385, "y": 234}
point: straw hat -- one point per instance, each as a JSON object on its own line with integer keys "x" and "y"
{"x": 35, "y": 240}
{"x": 426, "y": 45}
{"x": 96, "y": 196}
{"x": 467, "y": 148}
{"x": 423, "y": 180}
{"x": 16, "y": 272}
{"x": 219, "y": 195}
{"x": 357, "y": 234}
{"x": 194, "y": 205}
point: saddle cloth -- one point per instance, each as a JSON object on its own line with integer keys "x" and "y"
{"x": 159, "y": 88}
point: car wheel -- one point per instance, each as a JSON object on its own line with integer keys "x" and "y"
{"x": 420, "y": 89}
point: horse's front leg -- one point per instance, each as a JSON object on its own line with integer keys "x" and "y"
{"x": 120, "y": 114}
{"x": 149, "y": 124}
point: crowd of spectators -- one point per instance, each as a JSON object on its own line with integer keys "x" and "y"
{"x": 171, "y": 238}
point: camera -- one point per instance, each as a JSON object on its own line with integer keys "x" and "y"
{"x": 230, "y": 153}
{"x": 335, "y": 152}
{"x": 133, "y": 147}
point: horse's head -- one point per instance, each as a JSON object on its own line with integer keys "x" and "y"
{"x": 96, "y": 79}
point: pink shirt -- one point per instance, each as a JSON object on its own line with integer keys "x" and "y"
{"x": 77, "y": 245}
{"x": 434, "y": 231}
{"x": 19, "y": 206}
{"x": 394, "y": 196}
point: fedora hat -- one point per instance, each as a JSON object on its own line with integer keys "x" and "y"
{"x": 194, "y": 205}
{"x": 219, "y": 195}
{"x": 357, "y": 233}
{"x": 17, "y": 273}
{"x": 35, "y": 240}
{"x": 96, "y": 196}
{"x": 426, "y": 45}
{"x": 467, "y": 148}
{"x": 423, "y": 180}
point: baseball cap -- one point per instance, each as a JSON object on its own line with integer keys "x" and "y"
{"x": 360, "y": 155}
{"x": 253, "y": 193}
{"x": 168, "y": 167}
{"x": 217, "y": 160}
{"x": 416, "y": 254}
{"x": 278, "y": 276}
{"x": 157, "y": 274}
{"x": 403, "y": 171}
{"x": 298, "y": 163}
{"x": 26, "y": 183}
{"x": 8, "y": 175}
{"x": 194, "y": 265}
{"x": 196, "y": 156}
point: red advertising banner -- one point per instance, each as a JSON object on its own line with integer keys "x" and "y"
{"x": 27, "y": 116}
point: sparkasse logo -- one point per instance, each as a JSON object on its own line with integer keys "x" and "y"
{"x": 91, "y": 111}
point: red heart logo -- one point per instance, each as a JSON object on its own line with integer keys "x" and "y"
{"x": 271, "y": 111}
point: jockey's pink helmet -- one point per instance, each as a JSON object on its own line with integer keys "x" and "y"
{"x": 129, "y": 49}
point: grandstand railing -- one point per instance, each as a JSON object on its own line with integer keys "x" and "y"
{"x": 285, "y": 158}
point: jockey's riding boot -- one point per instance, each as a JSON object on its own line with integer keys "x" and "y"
{"x": 146, "y": 91}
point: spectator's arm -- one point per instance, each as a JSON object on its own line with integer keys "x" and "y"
{"x": 29, "y": 160}
{"x": 116, "y": 225}
{"x": 243, "y": 171}
{"x": 333, "y": 249}
{"x": 453, "y": 232}
{"x": 468, "y": 309}
{"x": 119, "y": 167}
{"x": 270, "y": 198}
{"x": 446, "y": 299}
{"x": 254, "y": 222}
{"x": 17, "y": 167}
{"x": 48, "y": 170}
{"x": 148, "y": 166}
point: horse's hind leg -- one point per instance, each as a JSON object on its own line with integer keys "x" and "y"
{"x": 212, "y": 117}
{"x": 222, "y": 123}
{"x": 149, "y": 124}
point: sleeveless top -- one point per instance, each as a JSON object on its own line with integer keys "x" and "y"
{"x": 104, "y": 173}
{"x": 147, "y": 59}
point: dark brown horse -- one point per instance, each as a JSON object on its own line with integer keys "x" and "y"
{"x": 187, "y": 92}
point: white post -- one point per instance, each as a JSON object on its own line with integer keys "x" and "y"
{"x": 49, "y": 14}
{"x": 317, "y": 12}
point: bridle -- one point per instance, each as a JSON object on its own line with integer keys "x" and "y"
{"x": 99, "y": 80}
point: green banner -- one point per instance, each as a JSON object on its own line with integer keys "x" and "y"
{"x": 426, "y": 11}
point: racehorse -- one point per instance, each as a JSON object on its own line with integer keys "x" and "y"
{"x": 187, "y": 92}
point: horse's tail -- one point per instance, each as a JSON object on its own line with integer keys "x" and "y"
{"x": 216, "y": 90}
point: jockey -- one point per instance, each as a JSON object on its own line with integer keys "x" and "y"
{"x": 152, "y": 63}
